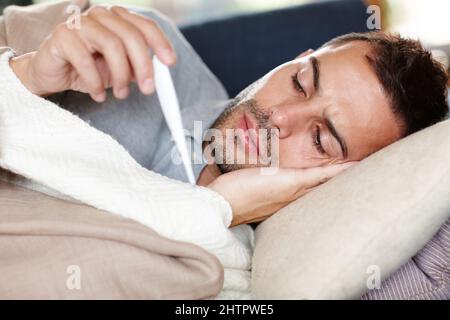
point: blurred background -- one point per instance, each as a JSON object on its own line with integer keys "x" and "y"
{"x": 427, "y": 20}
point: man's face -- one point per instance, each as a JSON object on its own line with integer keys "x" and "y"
{"x": 327, "y": 107}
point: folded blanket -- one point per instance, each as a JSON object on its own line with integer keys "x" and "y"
{"x": 51, "y": 146}
{"x": 55, "y": 249}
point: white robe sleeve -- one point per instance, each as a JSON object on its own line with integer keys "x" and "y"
{"x": 52, "y": 146}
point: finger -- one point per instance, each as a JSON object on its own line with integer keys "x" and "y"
{"x": 79, "y": 57}
{"x": 313, "y": 177}
{"x": 99, "y": 39}
{"x": 153, "y": 35}
{"x": 135, "y": 45}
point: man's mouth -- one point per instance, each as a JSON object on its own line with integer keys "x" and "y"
{"x": 251, "y": 135}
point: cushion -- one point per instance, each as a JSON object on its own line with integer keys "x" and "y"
{"x": 55, "y": 249}
{"x": 366, "y": 222}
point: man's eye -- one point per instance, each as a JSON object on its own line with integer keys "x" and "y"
{"x": 316, "y": 141}
{"x": 297, "y": 86}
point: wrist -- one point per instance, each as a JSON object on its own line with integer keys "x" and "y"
{"x": 21, "y": 67}
{"x": 215, "y": 187}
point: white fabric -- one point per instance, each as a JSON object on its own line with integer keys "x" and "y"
{"x": 51, "y": 146}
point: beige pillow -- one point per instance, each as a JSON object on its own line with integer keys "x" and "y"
{"x": 366, "y": 222}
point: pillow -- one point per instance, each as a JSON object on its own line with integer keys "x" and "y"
{"x": 363, "y": 224}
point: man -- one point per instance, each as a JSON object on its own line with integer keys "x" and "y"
{"x": 328, "y": 108}
{"x": 341, "y": 103}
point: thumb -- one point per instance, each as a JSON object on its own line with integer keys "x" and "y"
{"x": 315, "y": 176}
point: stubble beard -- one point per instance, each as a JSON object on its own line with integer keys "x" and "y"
{"x": 228, "y": 119}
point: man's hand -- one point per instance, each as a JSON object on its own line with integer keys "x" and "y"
{"x": 110, "y": 49}
{"x": 254, "y": 197}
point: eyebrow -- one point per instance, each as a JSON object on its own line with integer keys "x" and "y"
{"x": 336, "y": 135}
{"x": 316, "y": 72}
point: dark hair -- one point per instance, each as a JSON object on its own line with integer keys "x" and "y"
{"x": 414, "y": 82}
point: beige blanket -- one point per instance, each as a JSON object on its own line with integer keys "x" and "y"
{"x": 54, "y": 249}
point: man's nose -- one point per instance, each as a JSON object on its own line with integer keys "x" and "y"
{"x": 286, "y": 118}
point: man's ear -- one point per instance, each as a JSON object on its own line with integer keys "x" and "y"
{"x": 305, "y": 53}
